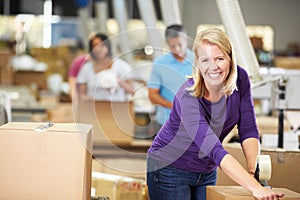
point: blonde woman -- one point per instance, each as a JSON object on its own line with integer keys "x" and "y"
{"x": 184, "y": 155}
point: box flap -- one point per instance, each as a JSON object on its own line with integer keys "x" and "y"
{"x": 70, "y": 127}
{"x": 83, "y": 131}
{"x": 56, "y": 127}
{"x": 21, "y": 125}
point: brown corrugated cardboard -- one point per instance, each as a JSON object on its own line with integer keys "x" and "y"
{"x": 235, "y": 150}
{"x": 134, "y": 167}
{"x": 285, "y": 167}
{"x": 57, "y": 59}
{"x": 118, "y": 187}
{"x": 269, "y": 124}
{"x": 62, "y": 113}
{"x": 30, "y": 78}
{"x": 50, "y": 163}
{"x": 239, "y": 193}
{"x": 6, "y": 72}
{"x": 287, "y": 62}
{"x": 113, "y": 121}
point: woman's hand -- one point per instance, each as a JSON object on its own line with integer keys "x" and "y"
{"x": 263, "y": 193}
{"x": 237, "y": 173}
{"x": 127, "y": 85}
{"x": 82, "y": 92}
{"x": 251, "y": 171}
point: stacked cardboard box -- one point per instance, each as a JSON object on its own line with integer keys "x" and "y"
{"x": 58, "y": 59}
{"x": 117, "y": 187}
{"x": 113, "y": 121}
{"x": 39, "y": 161}
{"x": 239, "y": 193}
{"x": 62, "y": 113}
{"x": 285, "y": 166}
{"x": 287, "y": 62}
{"x": 134, "y": 167}
{"x": 32, "y": 79}
{"x": 6, "y": 73}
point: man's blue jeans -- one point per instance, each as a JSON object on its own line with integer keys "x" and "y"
{"x": 169, "y": 183}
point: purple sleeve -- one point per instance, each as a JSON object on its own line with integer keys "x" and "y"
{"x": 199, "y": 130}
{"x": 247, "y": 127}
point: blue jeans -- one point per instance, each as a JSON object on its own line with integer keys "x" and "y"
{"x": 169, "y": 183}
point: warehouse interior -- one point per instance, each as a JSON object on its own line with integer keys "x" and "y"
{"x": 54, "y": 146}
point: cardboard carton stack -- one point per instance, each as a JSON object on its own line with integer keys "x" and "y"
{"x": 33, "y": 79}
{"x": 287, "y": 62}
{"x": 58, "y": 59}
{"x": 113, "y": 121}
{"x": 239, "y": 193}
{"x": 40, "y": 161}
{"x": 285, "y": 167}
{"x": 62, "y": 113}
{"x": 6, "y": 72}
{"x": 118, "y": 187}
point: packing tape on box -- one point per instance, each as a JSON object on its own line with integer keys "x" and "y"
{"x": 265, "y": 168}
{"x": 43, "y": 127}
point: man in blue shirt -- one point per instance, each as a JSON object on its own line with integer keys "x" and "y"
{"x": 169, "y": 72}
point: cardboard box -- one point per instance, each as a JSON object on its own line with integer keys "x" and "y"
{"x": 239, "y": 193}
{"x": 285, "y": 166}
{"x": 50, "y": 163}
{"x": 134, "y": 167}
{"x": 62, "y": 113}
{"x": 287, "y": 62}
{"x": 235, "y": 150}
{"x": 113, "y": 121}
{"x": 6, "y": 72}
{"x": 117, "y": 187}
{"x": 269, "y": 124}
{"x": 58, "y": 59}
{"x": 265, "y": 125}
{"x": 30, "y": 78}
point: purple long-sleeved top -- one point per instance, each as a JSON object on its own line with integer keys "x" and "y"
{"x": 191, "y": 138}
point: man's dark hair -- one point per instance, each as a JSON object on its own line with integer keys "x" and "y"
{"x": 174, "y": 31}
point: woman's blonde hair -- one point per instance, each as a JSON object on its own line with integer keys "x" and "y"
{"x": 217, "y": 37}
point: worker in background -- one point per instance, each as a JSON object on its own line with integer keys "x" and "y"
{"x": 104, "y": 78}
{"x": 168, "y": 73}
{"x": 75, "y": 66}
{"x": 185, "y": 153}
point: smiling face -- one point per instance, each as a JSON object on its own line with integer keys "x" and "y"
{"x": 214, "y": 65}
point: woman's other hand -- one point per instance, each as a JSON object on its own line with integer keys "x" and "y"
{"x": 263, "y": 193}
